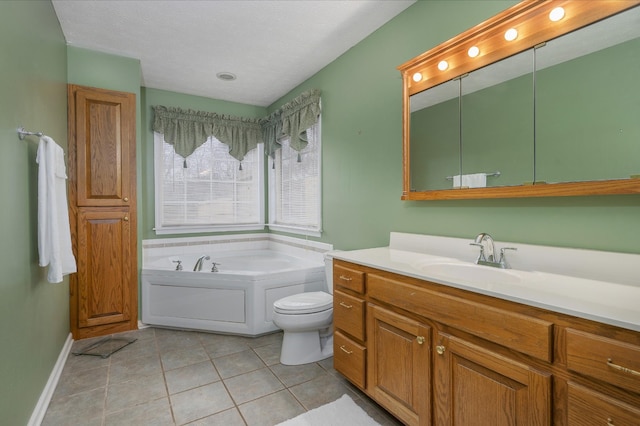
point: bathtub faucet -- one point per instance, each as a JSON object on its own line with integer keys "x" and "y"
{"x": 198, "y": 266}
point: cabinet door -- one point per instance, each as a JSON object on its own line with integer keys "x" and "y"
{"x": 104, "y": 130}
{"x": 104, "y": 292}
{"x": 398, "y": 365}
{"x": 476, "y": 386}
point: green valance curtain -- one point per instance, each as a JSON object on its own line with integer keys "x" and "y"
{"x": 292, "y": 120}
{"x": 186, "y": 130}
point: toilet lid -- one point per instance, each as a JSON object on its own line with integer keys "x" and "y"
{"x": 304, "y": 303}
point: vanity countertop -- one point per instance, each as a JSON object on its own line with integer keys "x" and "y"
{"x": 599, "y": 300}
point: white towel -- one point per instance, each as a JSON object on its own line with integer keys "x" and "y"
{"x": 476, "y": 180}
{"x": 54, "y": 234}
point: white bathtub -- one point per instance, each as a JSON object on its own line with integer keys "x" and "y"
{"x": 238, "y": 299}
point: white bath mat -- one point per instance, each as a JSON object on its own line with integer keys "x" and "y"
{"x": 340, "y": 412}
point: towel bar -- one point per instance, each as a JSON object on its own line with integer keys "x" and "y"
{"x": 22, "y": 133}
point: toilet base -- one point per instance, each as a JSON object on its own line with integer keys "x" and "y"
{"x": 306, "y": 347}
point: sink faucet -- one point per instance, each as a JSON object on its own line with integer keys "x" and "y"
{"x": 487, "y": 252}
{"x": 201, "y": 259}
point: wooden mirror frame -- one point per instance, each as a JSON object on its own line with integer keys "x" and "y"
{"x": 530, "y": 18}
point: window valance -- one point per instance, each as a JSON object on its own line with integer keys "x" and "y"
{"x": 186, "y": 130}
{"x": 292, "y": 120}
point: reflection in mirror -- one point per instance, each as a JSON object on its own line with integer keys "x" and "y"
{"x": 587, "y": 102}
{"x": 497, "y": 123}
{"x": 435, "y": 136}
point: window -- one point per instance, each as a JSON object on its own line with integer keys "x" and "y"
{"x": 211, "y": 193}
{"x": 295, "y": 203}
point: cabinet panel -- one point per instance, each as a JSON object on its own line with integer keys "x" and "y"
{"x": 104, "y": 290}
{"x": 349, "y": 359}
{"x": 606, "y": 359}
{"x": 525, "y": 334}
{"x": 105, "y": 151}
{"x": 590, "y": 408}
{"x": 399, "y": 373}
{"x": 348, "y": 313}
{"x": 476, "y": 386}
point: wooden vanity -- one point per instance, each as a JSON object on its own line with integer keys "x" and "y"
{"x": 432, "y": 354}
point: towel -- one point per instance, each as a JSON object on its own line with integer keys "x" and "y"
{"x": 54, "y": 234}
{"x": 476, "y": 180}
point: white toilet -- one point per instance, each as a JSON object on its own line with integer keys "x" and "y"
{"x": 307, "y": 322}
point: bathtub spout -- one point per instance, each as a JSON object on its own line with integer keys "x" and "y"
{"x": 198, "y": 265}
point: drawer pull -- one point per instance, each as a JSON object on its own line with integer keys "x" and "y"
{"x": 342, "y": 277}
{"x": 344, "y": 305}
{"x": 621, "y": 368}
{"x": 420, "y": 340}
{"x": 440, "y": 349}
{"x": 610, "y": 422}
{"x": 348, "y": 352}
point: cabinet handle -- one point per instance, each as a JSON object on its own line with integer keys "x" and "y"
{"x": 344, "y": 305}
{"x": 440, "y": 349}
{"x": 126, "y": 218}
{"x": 610, "y": 422}
{"x": 348, "y": 352}
{"x": 420, "y": 340}
{"x": 126, "y": 199}
{"x": 342, "y": 277}
{"x": 621, "y": 368}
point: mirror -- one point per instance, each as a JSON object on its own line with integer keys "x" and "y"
{"x": 536, "y": 130}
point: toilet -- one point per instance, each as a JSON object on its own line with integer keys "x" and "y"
{"x": 307, "y": 322}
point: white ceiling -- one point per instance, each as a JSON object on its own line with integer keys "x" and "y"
{"x": 270, "y": 45}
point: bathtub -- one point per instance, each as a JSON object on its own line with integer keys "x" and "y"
{"x": 238, "y": 299}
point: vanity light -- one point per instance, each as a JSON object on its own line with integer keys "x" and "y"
{"x": 417, "y": 77}
{"x": 556, "y": 14}
{"x": 443, "y": 65}
{"x": 473, "y": 51}
{"x": 511, "y": 34}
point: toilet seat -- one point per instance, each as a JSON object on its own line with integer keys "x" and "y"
{"x": 304, "y": 303}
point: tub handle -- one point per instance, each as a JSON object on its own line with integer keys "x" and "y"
{"x": 214, "y": 267}
{"x": 179, "y": 265}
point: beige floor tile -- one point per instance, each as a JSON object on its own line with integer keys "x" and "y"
{"x": 80, "y": 408}
{"x": 230, "y": 417}
{"x": 292, "y": 375}
{"x": 253, "y": 385}
{"x": 270, "y": 354}
{"x": 153, "y": 413}
{"x": 319, "y": 391}
{"x": 181, "y": 358}
{"x": 238, "y": 363}
{"x": 271, "y": 409}
{"x": 72, "y": 382}
{"x": 200, "y": 402}
{"x": 191, "y": 376}
{"x": 127, "y": 394}
{"x": 126, "y": 369}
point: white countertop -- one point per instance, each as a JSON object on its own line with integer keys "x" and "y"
{"x": 608, "y": 302}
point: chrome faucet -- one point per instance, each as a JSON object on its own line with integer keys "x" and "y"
{"x": 201, "y": 259}
{"x": 487, "y": 252}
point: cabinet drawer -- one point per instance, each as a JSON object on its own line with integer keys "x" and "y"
{"x": 348, "y": 278}
{"x": 348, "y": 314}
{"x": 520, "y": 332}
{"x": 587, "y": 407}
{"x": 602, "y": 358}
{"x": 349, "y": 359}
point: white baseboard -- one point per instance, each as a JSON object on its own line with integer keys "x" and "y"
{"x": 142, "y": 325}
{"x": 45, "y": 397}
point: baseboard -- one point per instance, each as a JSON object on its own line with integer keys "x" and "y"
{"x": 45, "y": 397}
{"x": 142, "y": 325}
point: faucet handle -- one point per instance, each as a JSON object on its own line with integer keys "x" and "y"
{"x": 179, "y": 265}
{"x": 214, "y": 267}
{"x": 481, "y": 257}
{"x": 503, "y": 260}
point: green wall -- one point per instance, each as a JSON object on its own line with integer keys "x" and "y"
{"x": 362, "y": 155}
{"x": 34, "y": 314}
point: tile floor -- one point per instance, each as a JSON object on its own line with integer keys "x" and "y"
{"x": 175, "y": 377}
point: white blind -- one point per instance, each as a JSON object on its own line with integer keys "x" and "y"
{"x": 296, "y": 185}
{"x": 212, "y": 190}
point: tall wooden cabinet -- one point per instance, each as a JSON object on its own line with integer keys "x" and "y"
{"x": 102, "y": 203}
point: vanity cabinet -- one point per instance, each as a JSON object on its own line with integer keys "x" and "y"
{"x": 438, "y": 355}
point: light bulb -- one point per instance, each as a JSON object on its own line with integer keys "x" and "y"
{"x": 556, "y": 14}
{"x": 417, "y": 77}
{"x": 511, "y": 34}
{"x": 473, "y": 51}
{"x": 443, "y": 65}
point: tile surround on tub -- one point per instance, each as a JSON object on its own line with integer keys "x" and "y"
{"x": 153, "y": 249}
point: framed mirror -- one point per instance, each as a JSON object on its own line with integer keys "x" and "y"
{"x": 536, "y": 130}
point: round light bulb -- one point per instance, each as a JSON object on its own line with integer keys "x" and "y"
{"x": 443, "y": 65}
{"x": 556, "y": 14}
{"x": 417, "y": 77}
{"x": 511, "y": 34}
{"x": 473, "y": 51}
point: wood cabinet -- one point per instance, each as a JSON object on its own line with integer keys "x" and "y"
{"x": 102, "y": 199}
{"x": 483, "y": 360}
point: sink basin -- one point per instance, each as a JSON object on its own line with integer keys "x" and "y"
{"x": 470, "y": 273}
